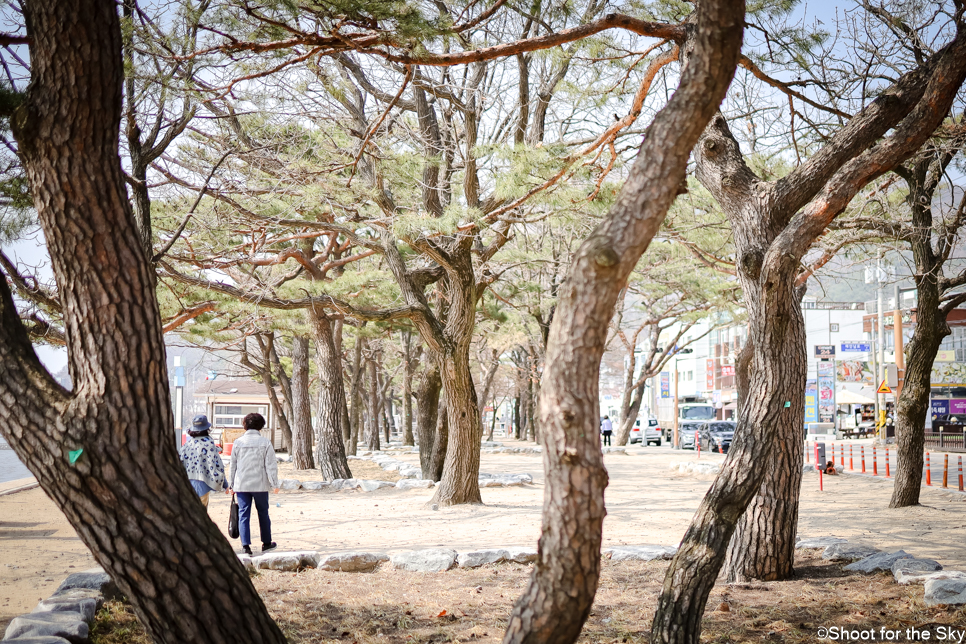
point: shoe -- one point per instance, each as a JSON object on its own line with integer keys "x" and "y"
{"x": 266, "y": 547}
{"x": 247, "y": 550}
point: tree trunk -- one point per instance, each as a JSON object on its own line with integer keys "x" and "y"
{"x": 427, "y": 403}
{"x": 561, "y": 590}
{"x": 302, "y": 406}
{"x": 286, "y": 384}
{"x": 105, "y": 452}
{"x": 437, "y": 459}
{"x": 356, "y": 414}
{"x": 516, "y": 417}
{"x": 630, "y": 409}
{"x": 408, "y": 438}
{"x": 337, "y": 327}
{"x": 329, "y": 448}
{"x": 372, "y": 411}
{"x": 390, "y": 418}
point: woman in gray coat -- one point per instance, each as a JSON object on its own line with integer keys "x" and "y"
{"x": 254, "y": 471}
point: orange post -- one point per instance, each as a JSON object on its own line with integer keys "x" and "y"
{"x": 960, "y": 473}
{"x": 928, "y": 470}
{"x": 863, "y": 458}
{"x": 887, "y": 462}
{"x": 842, "y": 455}
{"x": 697, "y": 444}
{"x": 720, "y": 449}
{"x": 875, "y": 462}
{"x": 946, "y": 471}
{"x": 850, "y": 458}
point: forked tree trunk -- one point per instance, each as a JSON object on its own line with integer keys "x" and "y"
{"x": 427, "y": 403}
{"x": 132, "y": 506}
{"x": 302, "y": 406}
{"x": 329, "y": 449}
{"x": 631, "y": 407}
{"x": 559, "y": 595}
{"x": 460, "y": 480}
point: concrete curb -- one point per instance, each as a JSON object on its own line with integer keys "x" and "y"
{"x": 18, "y": 485}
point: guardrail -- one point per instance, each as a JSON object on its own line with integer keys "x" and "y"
{"x": 948, "y": 441}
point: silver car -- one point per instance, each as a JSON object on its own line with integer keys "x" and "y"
{"x": 686, "y": 432}
{"x": 650, "y": 435}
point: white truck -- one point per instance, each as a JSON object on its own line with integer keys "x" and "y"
{"x": 687, "y": 412}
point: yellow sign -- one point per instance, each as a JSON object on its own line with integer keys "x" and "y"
{"x": 947, "y": 355}
{"x": 883, "y": 388}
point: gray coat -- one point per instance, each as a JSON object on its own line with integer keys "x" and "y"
{"x": 254, "y": 467}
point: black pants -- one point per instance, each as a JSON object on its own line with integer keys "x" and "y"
{"x": 607, "y": 438}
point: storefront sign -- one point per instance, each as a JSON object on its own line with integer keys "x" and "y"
{"x": 946, "y": 355}
{"x": 855, "y": 347}
{"x": 854, "y": 371}
{"x": 939, "y": 407}
{"x": 665, "y": 384}
{"x": 826, "y": 391}
{"x": 957, "y": 406}
{"x": 811, "y": 401}
{"x": 709, "y": 367}
{"x": 727, "y": 370}
{"x": 824, "y": 351}
{"x": 949, "y": 373}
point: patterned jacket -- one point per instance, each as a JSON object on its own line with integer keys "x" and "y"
{"x": 254, "y": 467}
{"x": 201, "y": 459}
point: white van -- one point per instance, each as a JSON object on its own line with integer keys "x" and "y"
{"x": 651, "y": 433}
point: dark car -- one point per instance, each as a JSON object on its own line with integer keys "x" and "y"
{"x": 686, "y": 431}
{"x": 717, "y": 435}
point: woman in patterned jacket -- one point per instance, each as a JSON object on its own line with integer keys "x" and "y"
{"x": 201, "y": 459}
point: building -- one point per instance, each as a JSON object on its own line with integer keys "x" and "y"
{"x": 227, "y": 402}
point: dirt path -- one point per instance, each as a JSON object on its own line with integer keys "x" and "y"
{"x": 646, "y": 504}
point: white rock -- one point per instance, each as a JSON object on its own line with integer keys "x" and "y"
{"x": 819, "y": 542}
{"x": 431, "y": 560}
{"x": 351, "y": 561}
{"x": 414, "y": 484}
{"x": 372, "y": 486}
{"x": 614, "y": 450}
{"x": 314, "y": 485}
{"x": 354, "y": 458}
{"x": 944, "y": 591}
{"x": 247, "y": 562}
{"x": 639, "y": 553}
{"x": 490, "y": 483}
{"x": 521, "y": 555}
{"x": 86, "y": 606}
{"x": 290, "y": 484}
{"x": 345, "y": 484}
{"x": 913, "y": 578}
{"x": 478, "y": 558}
{"x": 878, "y": 561}
{"x": 903, "y": 568}
{"x": 289, "y": 561}
{"x": 847, "y": 552}
{"x": 809, "y": 467}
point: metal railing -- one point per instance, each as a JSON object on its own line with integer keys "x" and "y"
{"x": 947, "y": 441}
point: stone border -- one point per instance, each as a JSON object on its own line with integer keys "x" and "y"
{"x": 940, "y": 587}
{"x": 20, "y": 485}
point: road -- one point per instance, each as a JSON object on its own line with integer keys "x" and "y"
{"x": 849, "y": 457}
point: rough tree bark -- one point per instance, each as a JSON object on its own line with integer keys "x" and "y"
{"x": 356, "y": 411}
{"x": 427, "y": 404}
{"x": 301, "y": 406}
{"x": 774, "y": 225}
{"x": 130, "y": 505}
{"x": 437, "y": 459}
{"x": 558, "y": 598}
{"x": 329, "y": 449}
{"x": 408, "y": 364}
{"x": 372, "y": 408}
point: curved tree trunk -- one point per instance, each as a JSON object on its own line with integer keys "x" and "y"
{"x": 632, "y": 408}
{"x": 427, "y": 404}
{"x": 437, "y": 458}
{"x": 302, "y": 406}
{"x": 329, "y": 449}
{"x": 558, "y": 598}
{"x": 460, "y": 481}
{"x": 105, "y": 452}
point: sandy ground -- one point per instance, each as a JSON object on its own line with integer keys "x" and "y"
{"x": 646, "y": 503}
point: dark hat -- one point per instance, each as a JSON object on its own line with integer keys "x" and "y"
{"x": 200, "y": 423}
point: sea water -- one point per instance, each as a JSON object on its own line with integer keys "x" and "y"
{"x": 11, "y": 468}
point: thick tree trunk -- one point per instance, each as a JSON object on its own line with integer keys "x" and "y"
{"x": 517, "y": 432}
{"x": 286, "y": 384}
{"x": 302, "y": 406}
{"x": 337, "y": 327}
{"x": 460, "y": 481}
{"x": 122, "y": 488}
{"x": 329, "y": 449}
{"x": 558, "y": 598}
{"x": 390, "y": 418}
{"x": 629, "y": 412}
{"x": 372, "y": 410}
{"x": 427, "y": 403}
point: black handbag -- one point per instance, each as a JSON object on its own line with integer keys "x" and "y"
{"x": 233, "y": 519}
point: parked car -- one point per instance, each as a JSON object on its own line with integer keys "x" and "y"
{"x": 717, "y": 435}
{"x": 686, "y": 430}
{"x": 650, "y": 435}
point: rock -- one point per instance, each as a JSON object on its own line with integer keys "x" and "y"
{"x": 614, "y": 450}
{"x": 478, "y": 558}
{"x": 878, "y": 561}
{"x": 911, "y": 578}
{"x": 819, "y": 542}
{"x": 808, "y": 468}
{"x": 39, "y": 640}
{"x": 521, "y": 555}
{"x": 411, "y": 473}
{"x": 290, "y": 484}
{"x": 847, "y": 552}
{"x": 431, "y": 560}
{"x": 70, "y": 626}
{"x": 288, "y": 561}
{"x": 354, "y": 458}
{"x": 693, "y": 467}
{"x": 491, "y": 444}
{"x": 639, "y": 553}
{"x": 94, "y": 579}
{"x": 345, "y": 484}
{"x": 943, "y": 591}
{"x": 314, "y": 486}
{"x": 902, "y": 569}
{"x": 372, "y": 486}
{"x": 86, "y": 606}
{"x": 351, "y": 561}
{"x": 76, "y": 594}
{"x": 490, "y": 483}
{"x": 283, "y": 458}
{"x": 414, "y": 484}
